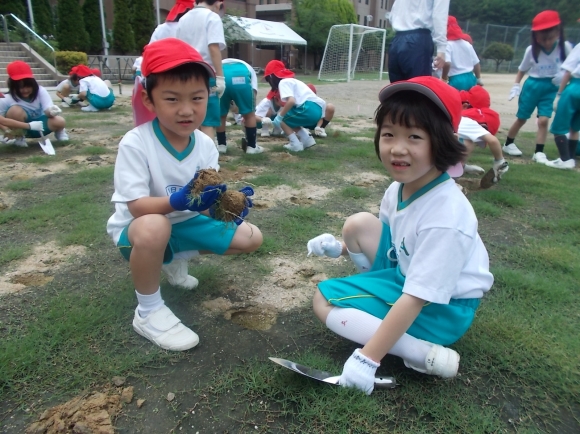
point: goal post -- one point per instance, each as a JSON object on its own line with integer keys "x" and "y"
{"x": 353, "y": 52}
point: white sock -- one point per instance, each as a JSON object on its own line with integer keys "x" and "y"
{"x": 148, "y": 303}
{"x": 294, "y": 140}
{"x": 360, "y": 260}
{"x": 359, "y": 326}
{"x": 302, "y": 135}
{"x": 188, "y": 254}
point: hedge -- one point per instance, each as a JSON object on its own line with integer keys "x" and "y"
{"x": 65, "y": 60}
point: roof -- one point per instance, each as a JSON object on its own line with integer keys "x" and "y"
{"x": 240, "y": 29}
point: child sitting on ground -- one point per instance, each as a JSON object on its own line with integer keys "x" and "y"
{"x": 266, "y": 111}
{"x": 302, "y": 108}
{"x": 155, "y": 220}
{"x": 97, "y": 92}
{"x": 68, "y": 91}
{"x": 423, "y": 265}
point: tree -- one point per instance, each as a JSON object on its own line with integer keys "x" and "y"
{"x": 70, "y": 27}
{"x": 16, "y": 7}
{"x": 123, "y": 38}
{"x": 143, "y": 22}
{"x": 498, "y": 52}
{"x": 92, "y": 18}
{"x": 314, "y": 18}
{"x": 43, "y": 19}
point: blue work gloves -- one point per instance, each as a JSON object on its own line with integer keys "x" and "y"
{"x": 184, "y": 200}
{"x": 248, "y": 191}
{"x": 277, "y": 121}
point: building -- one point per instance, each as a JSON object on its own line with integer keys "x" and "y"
{"x": 372, "y": 12}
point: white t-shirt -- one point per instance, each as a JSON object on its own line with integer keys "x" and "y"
{"x": 263, "y": 107}
{"x": 145, "y": 168}
{"x": 548, "y": 63}
{"x": 291, "y": 87}
{"x": 436, "y": 242}
{"x": 249, "y": 68}
{"x": 471, "y": 130}
{"x": 572, "y": 62}
{"x": 200, "y": 27}
{"x": 462, "y": 57}
{"x": 72, "y": 87}
{"x": 94, "y": 85}
{"x": 137, "y": 63}
{"x": 34, "y": 109}
{"x": 422, "y": 14}
{"x": 165, "y": 30}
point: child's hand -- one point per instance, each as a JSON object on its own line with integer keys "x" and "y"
{"x": 515, "y": 91}
{"x": 220, "y": 85}
{"x": 54, "y": 110}
{"x": 35, "y": 126}
{"x": 479, "y": 81}
{"x": 277, "y": 121}
{"x": 183, "y": 200}
{"x": 324, "y": 245}
{"x": 359, "y": 372}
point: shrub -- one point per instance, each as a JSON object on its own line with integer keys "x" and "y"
{"x": 65, "y": 60}
{"x": 498, "y": 52}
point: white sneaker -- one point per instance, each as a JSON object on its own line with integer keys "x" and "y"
{"x": 309, "y": 142}
{"x": 222, "y": 149}
{"x": 540, "y": 157}
{"x": 559, "y": 164}
{"x": 7, "y": 141}
{"x": 239, "y": 119}
{"x": 265, "y": 131}
{"x": 440, "y": 361}
{"x": 177, "y": 274}
{"x": 61, "y": 135}
{"x": 472, "y": 168}
{"x": 257, "y": 150}
{"x": 64, "y": 105}
{"x": 20, "y": 142}
{"x": 512, "y": 150}
{"x": 90, "y": 108}
{"x": 277, "y": 131}
{"x": 320, "y": 132}
{"x": 228, "y": 124}
{"x": 294, "y": 147}
{"x": 165, "y": 330}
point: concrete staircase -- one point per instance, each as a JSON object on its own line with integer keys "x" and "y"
{"x": 12, "y": 51}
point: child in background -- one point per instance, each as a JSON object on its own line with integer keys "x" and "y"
{"x": 423, "y": 265}
{"x": 169, "y": 28}
{"x": 461, "y": 62}
{"x": 319, "y": 129}
{"x": 241, "y": 87}
{"x": 28, "y": 102}
{"x": 68, "y": 91}
{"x": 155, "y": 221}
{"x": 266, "y": 111}
{"x": 567, "y": 118}
{"x": 136, "y": 68}
{"x": 302, "y": 108}
{"x": 99, "y": 95}
{"x": 541, "y": 62}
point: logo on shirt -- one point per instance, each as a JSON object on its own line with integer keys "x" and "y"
{"x": 170, "y": 189}
{"x": 392, "y": 254}
{"x": 403, "y": 248}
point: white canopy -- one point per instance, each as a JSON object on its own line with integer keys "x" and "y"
{"x": 240, "y": 29}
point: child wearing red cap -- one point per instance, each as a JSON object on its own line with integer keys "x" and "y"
{"x": 169, "y": 28}
{"x": 542, "y": 61}
{"x": 319, "y": 128}
{"x": 266, "y": 111}
{"x": 68, "y": 91}
{"x": 423, "y": 267}
{"x": 156, "y": 224}
{"x": 462, "y": 67}
{"x": 28, "y": 102}
{"x": 97, "y": 92}
{"x": 302, "y": 107}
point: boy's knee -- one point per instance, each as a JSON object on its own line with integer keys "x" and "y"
{"x": 543, "y": 122}
{"x": 356, "y": 222}
{"x": 17, "y": 113}
{"x": 150, "y": 231}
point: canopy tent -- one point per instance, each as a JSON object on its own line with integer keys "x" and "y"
{"x": 250, "y": 30}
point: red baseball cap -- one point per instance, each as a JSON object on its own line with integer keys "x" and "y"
{"x": 485, "y": 116}
{"x": 312, "y": 88}
{"x": 73, "y": 70}
{"x": 444, "y": 96}
{"x": 277, "y": 68}
{"x": 19, "y": 70}
{"x": 168, "y": 53}
{"x": 478, "y": 97}
{"x": 180, "y": 7}
{"x": 545, "y": 20}
{"x": 83, "y": 71}
{"x": 96, "y": 71}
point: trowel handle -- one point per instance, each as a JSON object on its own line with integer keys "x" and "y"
{"x": 385, "y": 383}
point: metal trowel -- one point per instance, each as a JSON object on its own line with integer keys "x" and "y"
{"x": 46, "y": 145}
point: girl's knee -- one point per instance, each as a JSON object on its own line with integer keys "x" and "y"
{"x": 356, "y": 222}
{"x": 247, "y": 239}
{"x": 150, "y": 231}
{"x": 56, "y": 123}
{"x": 17, "y": 113}
{"x": 543, "y": 122}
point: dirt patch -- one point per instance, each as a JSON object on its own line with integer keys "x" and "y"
{"x": 240, "y": 173}
{"x": 366, "y": 179}
{"x": 38, "y": 269}
{"x": 284, "y": 193}
{"x": 355, "y": 126}
{"x": 6, "y": 200}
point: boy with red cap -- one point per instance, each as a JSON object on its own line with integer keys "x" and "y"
{"x": 542, "y": 61}
{"x": 423, "y": 267}
{"x": 156, "y": 224}
{"x": 302, "y": 107}
{"x": 169, "y": 28}
{"x": 202, "y": 28}
{"x": 462, "y": 67}
{"x": 28, "y": 102}
{"x": 97, "y": 92}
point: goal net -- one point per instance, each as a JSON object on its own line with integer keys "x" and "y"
{"x": 353, "y": 52}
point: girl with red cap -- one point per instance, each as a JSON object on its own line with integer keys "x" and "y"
{"x": 542, "y": 61}
{"x": 302, "y": 107}
{"x": 169, "y": 28}
{"x": 28, "y": 102}
{"x": 423, "y": 267}
{"x": 68, "y": 91}
{"x": 461, "y": 62}
{"x": 97, "y": 92}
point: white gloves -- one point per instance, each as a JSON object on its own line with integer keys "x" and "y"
{"x": 220, "y": 85}
{"x": 325, "y": 245}
{"x": 359, "y": 372}
{"x": 68, "y": 100}
{"x": 556, "y": 101}
{"x": 480, "y": 81}
{"x": 35, "y": 126}
{"x": 515, "y": 91}
{"x": 54, "y": 110}
{"x": 266, "y": 121}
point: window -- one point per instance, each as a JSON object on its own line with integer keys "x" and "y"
{"x": 380, "y": 23}
{"x": 366, "y": 2}
{"x": 358, "y": 19}
{"x": 365, "y": 23}
{"x": 382, "y": 4}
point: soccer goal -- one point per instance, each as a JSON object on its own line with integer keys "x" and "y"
{"x": 353, "y": 52}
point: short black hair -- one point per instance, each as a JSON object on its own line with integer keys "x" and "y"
{"x": 15, "y": 85}
{"x": 412, "y": 109}
{"x": 273, "y": 81}
{"x": 180, "y": 73}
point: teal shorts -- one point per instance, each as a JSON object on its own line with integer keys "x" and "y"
{"x": 212, "y": 116}
{"x": 536, "y": 92}
{"x": 197, "y": 233}
{"x": 36, "y": 134}
{"x": 463, "y": 81}
{"x": 101, "y": 102}
{"x": 568, "y": 111}
{"x": 238, "y": 89}
{"x": 304, "y": 115}
{"x": 376, "y": 291}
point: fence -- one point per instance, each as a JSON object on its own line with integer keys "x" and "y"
{"x": 519, "y": 38}
{"x": 114, "y": 68}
